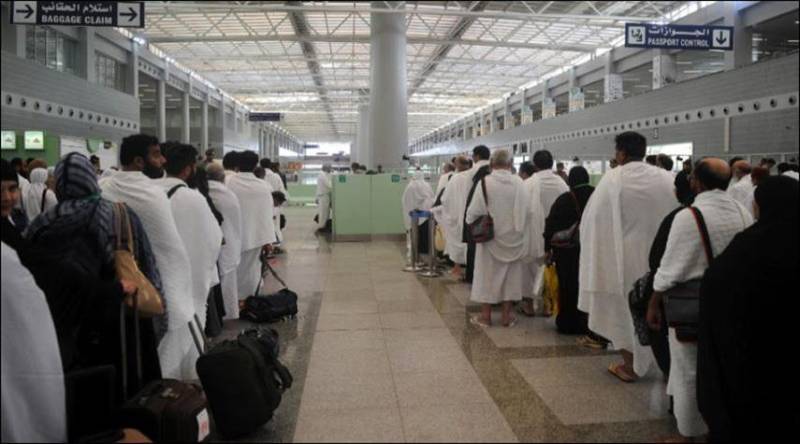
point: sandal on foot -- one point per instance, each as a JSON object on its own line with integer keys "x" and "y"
{"x": 476, "y": 320}
{"x": 510, "y": 323}
{"x": 521, "y": 310}
{"x": 619, "y": 371}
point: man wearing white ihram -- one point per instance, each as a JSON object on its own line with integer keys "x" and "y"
{"x": 498, "y": 262}
{"x": 685, "y": 259}
{"x": 229, "y": 257}
{"x": 454, "y": 199}
{"x": 619, "y": 224}
{"x": 258, "y": 230}
{"x": 324, "y": 187}
{"x": 543, "y": 188}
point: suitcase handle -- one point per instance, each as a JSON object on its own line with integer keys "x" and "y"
{"x": 201, "y": 348}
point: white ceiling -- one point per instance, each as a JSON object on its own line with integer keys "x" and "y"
{"x": 461, "y": 55}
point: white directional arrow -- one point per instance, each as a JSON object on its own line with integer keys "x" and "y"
{"x": 130, "y": 14}
{"x": 24, "y": 12}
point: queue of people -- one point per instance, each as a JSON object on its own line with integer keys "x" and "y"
{"x": 641, "y": 224}
{"x": 194, "y": 229}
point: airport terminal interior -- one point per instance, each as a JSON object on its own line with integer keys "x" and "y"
{"x": 399, "y": 221}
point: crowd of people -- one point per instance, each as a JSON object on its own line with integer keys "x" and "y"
{"x": 196, "y": 230}
{"x": 643, "y": 225}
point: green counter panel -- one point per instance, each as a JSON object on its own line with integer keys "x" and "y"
{"x": 352, "y": 214}
{"x": 387, "y": 204}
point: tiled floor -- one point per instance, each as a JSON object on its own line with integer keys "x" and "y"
{"x": 383, "y": 355}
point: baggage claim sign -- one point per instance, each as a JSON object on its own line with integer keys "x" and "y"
{"x": 643, "y": 35}
{"x": 78, "y": 13}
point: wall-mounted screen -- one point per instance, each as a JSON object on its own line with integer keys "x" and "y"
{"x": 9, "y": 139}
{"x": 34, "y": 140}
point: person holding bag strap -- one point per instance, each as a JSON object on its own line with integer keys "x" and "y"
{"x": 696, "y": 233}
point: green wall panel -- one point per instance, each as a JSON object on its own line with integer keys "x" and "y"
{"x": 51, "y": 152}
{"x": 301, "y": 193}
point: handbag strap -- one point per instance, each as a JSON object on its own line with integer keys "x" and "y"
{"x": 704, "y": 236}
{"x": 485, "y": 196}
{"x": 122, "y": 228}
{"x": 44, "y": 196}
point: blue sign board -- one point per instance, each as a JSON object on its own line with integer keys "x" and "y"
{"x": 644, "y": 35}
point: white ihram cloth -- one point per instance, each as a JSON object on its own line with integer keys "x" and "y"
{"x": 33, "y": 394}
{"x": 202, "y": 239}
{"x": 150, "y": 203}
{"x": 443, "y": 180}
{"x": 499, "y": 262}
{"x": 258, "y": 229}
{"x": 324, "y": 187}
{"x": 275, "y": 182}
{"x": 618, "y": 226}
{"x": 743, "y": 192}
{"x": 24, "y": 184}
{"x": 793, "y": 174}
{"x": 231, "y": 253}
{"x": 418, "y": 195}
{"x": 685, "y": 259}
{"x": 34, "y": 193}
{"x": 454, "y": 200}
{"x": 543, "y": 189}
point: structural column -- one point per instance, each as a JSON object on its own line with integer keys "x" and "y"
{"x": 576, "y": 99}
{"x": 204, "y": 125}
{"x": 388, "y": 100}
{"x": 362, "y": 146}
{"x": 87, "y": 53}
{"x": 161, "y": 108}
{"x": 612, "y": 82}
{"x": 742, "y": 53}
{"x": 548, "y": 104}
{"x": 133, "y": 70}
{"x": 665, "y": 68}
{"x": 186, "y": 117}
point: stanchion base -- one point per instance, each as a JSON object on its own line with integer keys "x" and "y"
{"x": 411, "y": 269}
{"x": 430, "y": 274}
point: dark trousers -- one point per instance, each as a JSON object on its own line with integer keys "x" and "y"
{"x": 470, "y": 262}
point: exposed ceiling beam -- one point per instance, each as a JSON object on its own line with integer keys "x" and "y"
{"x": 300, "y": 26}
{"x": 366, "y": 39}
{"x": 414, "y": 59}
{"x": 440, "y": 53}
{"x": 161, "y": 8}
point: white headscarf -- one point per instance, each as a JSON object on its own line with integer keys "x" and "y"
{"x": 35, "y": 193}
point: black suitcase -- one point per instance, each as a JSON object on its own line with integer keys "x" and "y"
{"x": 269, "y": 308}
{"x": 244, "y": 381}
{"x": 164, "y": 410}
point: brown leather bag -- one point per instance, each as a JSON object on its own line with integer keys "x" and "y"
{"x": 149, "y": 300}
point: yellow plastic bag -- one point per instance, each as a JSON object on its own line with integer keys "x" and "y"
{"x": 550, "y": 290}
{"x": 439, "y": 240}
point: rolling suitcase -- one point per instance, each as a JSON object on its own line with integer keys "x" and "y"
{"x": 269, "y": 308}
{"x": 243, "y": 379}
{"x": 165, "y": 410}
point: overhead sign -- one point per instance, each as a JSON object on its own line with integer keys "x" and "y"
{"x": 34, "y": 140}
{"x": 643, "y": 35}
{"x": 311, "y": 145}
{"x": 265, "y": 117}
{"x": 9, "y": 139}
{"x": 78, "y": 13}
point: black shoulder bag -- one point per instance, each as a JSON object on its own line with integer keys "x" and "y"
{"x": 482, "y": 229}
{"x": 682, "y": 302}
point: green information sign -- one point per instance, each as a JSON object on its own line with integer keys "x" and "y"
{"x": 9, "y": 140}
{"x": 34, "y": 140}
{"x": 342, "y": 179}
{"x": 395, "y": 178}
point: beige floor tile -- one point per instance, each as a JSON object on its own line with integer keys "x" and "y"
{"x": 410, "y": 320}
{"x": 353, "y": 284}
{"x": 351, "y": 425}
{"x": 338, "y": 393}
{"x": 405, "y": 305}
{"x": 349, "y": 321}
{"x": 352, "y": 340}
{"x": 584, "y": 404}
{"x": 423, "y": 337}
{"x": 325, "y": 363}
{"x": 349, "y": 307}
{"x": 468, "y": 423}
{"x": 439, "y": 388}
{"x": 417, "y": 359}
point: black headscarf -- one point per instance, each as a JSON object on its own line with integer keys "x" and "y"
{"x": 578, "y": 176}
{"x": 776, "y": 197}
{"x": 8, "y": 171}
